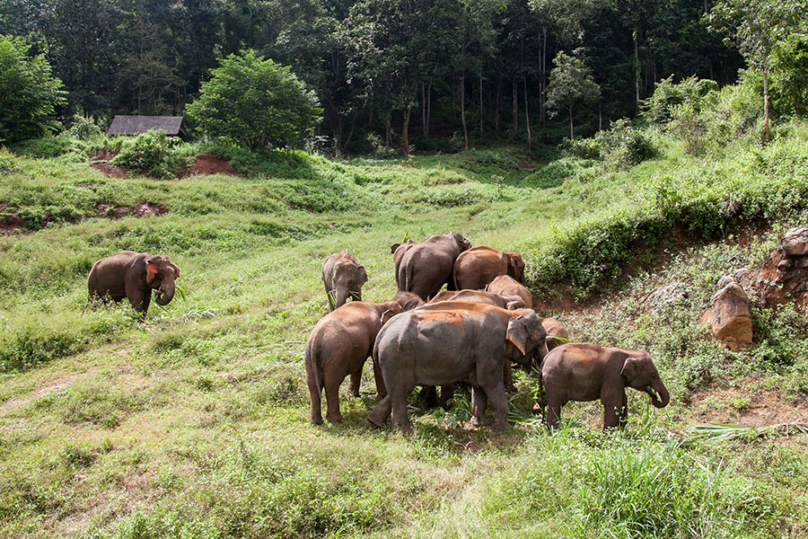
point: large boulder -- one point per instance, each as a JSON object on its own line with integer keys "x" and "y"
{"x": 730, "y": 317}
{"x": 784, "y": 277}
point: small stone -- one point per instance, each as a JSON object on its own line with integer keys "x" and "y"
{"x": 795, "y": 242}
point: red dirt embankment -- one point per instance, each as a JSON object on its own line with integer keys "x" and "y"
{"x": 204, "y": 164}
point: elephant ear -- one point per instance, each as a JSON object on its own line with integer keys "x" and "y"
{"x": 394, "y": 248}
{"x": 515, "y": 304}
{"x": 151, "y": 270}
{"x": 631, "y": 368}
{"x": 363, "y": 276}
{"x": 521, "y": 330}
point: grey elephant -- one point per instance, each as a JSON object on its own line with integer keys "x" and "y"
{"x": 447, "y": 342}
{"x": 587, "y": 372}
{"x": 343, "y": 277}
{"x": 426, "y": 267}
{"x": 133, "y": 276}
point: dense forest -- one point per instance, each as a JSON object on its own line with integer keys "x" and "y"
{"x": 399, "y": 70}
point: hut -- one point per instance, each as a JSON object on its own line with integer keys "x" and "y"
{"x": 136, "y": 125}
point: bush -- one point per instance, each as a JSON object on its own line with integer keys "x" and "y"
{"x": 152, "y": 154}
{"x": 659, "y": 108}
{"x": 255, "y": 103}
{"x": 621, "y": 145}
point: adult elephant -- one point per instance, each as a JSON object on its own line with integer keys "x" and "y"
{"x": 133, "y": 276}
{"x": 425, "y": 267}
{"x": 477, "y": 267}
{"x": 398, "y": 250}
{"x": 480, "y": 296}
{"x": 505, "y": 285}
{"x": 449, "y": 342}
{"x": 343, "y": 276}
{"x": 586, "y": 372}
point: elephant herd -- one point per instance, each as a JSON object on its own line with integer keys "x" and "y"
{"x": 469, "y": 333}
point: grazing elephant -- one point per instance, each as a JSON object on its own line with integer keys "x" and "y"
{"x": 398, "y": 250}
{"x": 408, "y": 300}
{"x": 338, "y": 346}
{"x": 477, "y": 267}
{"x": 586, "y": 372}
{"x": 449, "y": 342}
{"x": 555, "y": 329}
{"x": 505, "y": 285}
{"x": 343, "y": 276}
{"x": 133, "y": 276}
{"x": 425, "y": 267}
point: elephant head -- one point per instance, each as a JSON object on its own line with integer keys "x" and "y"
{"x": 160, "y": 275}
{"x": 516, "y": 267}
{"x": 463, "y": 242}
{"x": 641, "y": 374}
{"x": 348, "y": 277}
{"x": 525, "y": 334}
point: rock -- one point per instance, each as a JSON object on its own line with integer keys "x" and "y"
{"x": 730, "y": 317}
{"x": 795, "y": 242}
{"x": 667, "y": 296}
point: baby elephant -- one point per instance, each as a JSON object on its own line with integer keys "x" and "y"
{"x": 343, "y": 276}
{"x": 505, "y": 285}
{"x": 338, "y": 346}
{"x": 133, "y": 276}
{"x": 586, "y": 372}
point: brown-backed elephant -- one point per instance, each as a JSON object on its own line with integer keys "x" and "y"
{"x": 480, "y": 296}
{"x": 408, "y": 300}
{"x": 476, "y": 268}
{"x": 505, "y": 285}
{"x": 398, "y": 250}
{"x": 343, "y": 276}
{"x": 586, "y": 372}
{"x": 133, "y": 276}
{"x": 337, "y": 347}
{"x": 426, "y": 267}
{"x": 557, "y": 334}
{"x": 449, "y": 342}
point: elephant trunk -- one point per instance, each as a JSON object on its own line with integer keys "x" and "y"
{"x": 340, "y": 297}
{"x": 664, "y": 397}
{"x": 165, "y": 293}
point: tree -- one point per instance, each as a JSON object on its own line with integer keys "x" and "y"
{"x": 757, "y": 27}
{"x": 255, "y": 103}
{"x": 570, "y": 82}
{"x": 28, "y": 92}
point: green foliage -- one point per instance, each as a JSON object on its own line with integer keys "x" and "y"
{"x": 28, "y": 92}
{"x": 255, "y": 103}
{"x": 152, "y": 154}
{"x": 622, "y": 145}
{"x": 668, "y": 95}
{"x": 570, "y": 81}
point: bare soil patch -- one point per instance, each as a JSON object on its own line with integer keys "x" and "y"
{"x": 206, "y": 163}
{"x": 142, "y": 209}
{"x": 101, "y": 162}
{"x": 745, "y": 405}
{"x": 9, "y": 221}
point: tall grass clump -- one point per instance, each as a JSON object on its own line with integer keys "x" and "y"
{"x": 152, "y": 154}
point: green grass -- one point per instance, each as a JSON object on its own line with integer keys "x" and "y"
{"x": 193, "y": 422}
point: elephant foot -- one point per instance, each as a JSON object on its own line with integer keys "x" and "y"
{"x": 377, "y": 421}
{"x": 316, "y": 420}
{"x": 406, "y": 428}
{"x": 379, "y": 396}
{"x": 336, "y": 418}
{"x": 477, "y": 422}
{"x": 502, "y": 427}
{"x": 511, "y": 388}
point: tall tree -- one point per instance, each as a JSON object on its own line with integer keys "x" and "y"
{"x": 570, "y": 82}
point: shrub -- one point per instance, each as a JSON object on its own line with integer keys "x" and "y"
{"x": 659, "y": 108}
{"x": 152, "y": 154}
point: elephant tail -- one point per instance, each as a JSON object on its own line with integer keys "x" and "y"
{"x": 408, "y": 277}
{"x": 314, "y": 364}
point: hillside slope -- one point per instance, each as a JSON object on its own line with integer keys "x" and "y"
{"x": 193, "y": 422}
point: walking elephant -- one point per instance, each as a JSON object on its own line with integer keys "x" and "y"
{"x": 505, "y": 285}
{"x": 427, "y": 266}
{"x": 343, "y": 276}
{"x": 133, "y": 276}
{"x": 476, "y": 268}
{"x": 337, "y": 347}
{"x": 398, "y": 250}
{"x": 449, "y": 342}
{"x": 586, "y": 372}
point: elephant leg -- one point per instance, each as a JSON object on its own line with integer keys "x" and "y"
{"x": 499, "y": 402}
{"x": 446, "y": 394}
{"x": 623, "y": 418}
{"x": 479, "y": 402}
{"x": 356, "y": 380}
{"x": 381, "y": 390}
{"x": 508, "y": 378}
{"x": 378, "y": 414}
{"x": 316, "y": 417}
{"x": 398, "y": 408}
{"x": 554, "y": 404}
{"x": 140, "y": 301}
{"x": 429, "y": 396}
{"x": 612, "y": 408}
{"x": 332, "y": 413}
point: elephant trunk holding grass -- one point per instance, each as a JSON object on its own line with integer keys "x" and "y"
{"x": 449, "y": 342}
{"x": 476, "y": 268}
{"x": 133, "y": 276}
{"x": 425, "y": 267}
{"x": 587, "y": 372}
{"x": 343, "y": 277}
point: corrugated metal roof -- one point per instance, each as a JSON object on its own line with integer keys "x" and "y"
{"x": 135, "y": 125}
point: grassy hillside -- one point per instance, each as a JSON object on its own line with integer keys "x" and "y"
{"x": 192, "y": 423}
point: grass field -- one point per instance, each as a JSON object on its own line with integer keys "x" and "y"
{"x": 193, "y": 422}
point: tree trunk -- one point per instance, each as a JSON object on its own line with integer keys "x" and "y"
{"x": 481, "y": 105}
{"x": 428, "y": 106}
{"x": 637, "y": 68}
{"x": 388, "y": 129}
{"x": 527, "y": 120}
{"x": 496, "y": 107}
{"x": 463, "y": 110}
{"x": 515, "y": 107}
{"x": 405, "y": 134}
{"x": 600, "y": 115}
{"x": 423, "y": 110}
{"x": 543, "y": 80}
{"x": 570, "y": 109}
{"x": 767, "y": 133}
